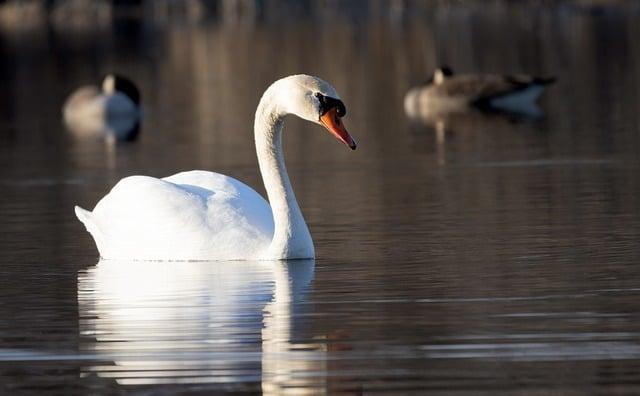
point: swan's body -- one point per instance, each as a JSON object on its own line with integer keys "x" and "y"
{"x": 202, "y": 215}
{"x": 448, "y": 92}
{"x": 113, "y": 109}
{"x": 184, "y": 216}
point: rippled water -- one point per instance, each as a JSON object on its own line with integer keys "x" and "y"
{"x": 477, "y": 254}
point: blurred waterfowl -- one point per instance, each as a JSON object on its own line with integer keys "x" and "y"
{"x": 200, "y": 215}
{"x": 113, "y": 110}
{"x": 448, "y": 92}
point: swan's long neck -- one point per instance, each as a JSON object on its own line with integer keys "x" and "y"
{"x": 291, "y": 238}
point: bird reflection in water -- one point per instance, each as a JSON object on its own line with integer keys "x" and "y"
{"x": 196, "y": 322}
{"x": 465, "y": 121}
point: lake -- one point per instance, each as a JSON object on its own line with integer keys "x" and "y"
{"x": 484, "y": 254}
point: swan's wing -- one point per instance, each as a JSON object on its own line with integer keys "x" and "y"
{"x": 242, "y": 198}
{"x": 189, "y": 216}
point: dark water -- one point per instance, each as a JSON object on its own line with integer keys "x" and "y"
{"x": 490, "y": 255}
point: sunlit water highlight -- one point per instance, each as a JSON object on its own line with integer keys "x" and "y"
{"x": 195, "y": 322}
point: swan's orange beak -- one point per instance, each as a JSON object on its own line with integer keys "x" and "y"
{"x": 332, "y": 122}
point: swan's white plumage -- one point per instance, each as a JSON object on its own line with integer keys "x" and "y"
{"x": 202, "y": 215}
{"x": 194, "y": 215}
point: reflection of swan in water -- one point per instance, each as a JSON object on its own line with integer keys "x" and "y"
{"x": 111, "y": 111}
{"x": 193, "y": 322}
{"x": 278, "y": 367}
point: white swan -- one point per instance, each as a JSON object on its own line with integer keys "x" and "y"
{"x": 201, "y": 215}
{"x": 113, "y": 110}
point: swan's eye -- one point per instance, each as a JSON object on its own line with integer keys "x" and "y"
{"x": 327, "y": 103}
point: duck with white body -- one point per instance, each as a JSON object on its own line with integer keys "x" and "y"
{"x": 201, "y": 215}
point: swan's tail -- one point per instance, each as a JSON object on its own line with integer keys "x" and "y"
{"x": 86, "y": 217}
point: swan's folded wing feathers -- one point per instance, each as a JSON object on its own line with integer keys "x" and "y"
{"x": 185, "y": 215}
{"x": 239, "y": 196}
{"x": 144, "y": 211}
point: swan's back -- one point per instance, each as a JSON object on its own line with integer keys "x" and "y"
{"x": 194, "y": 215}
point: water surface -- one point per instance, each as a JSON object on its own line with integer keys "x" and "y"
{"x": 487, "y": 255}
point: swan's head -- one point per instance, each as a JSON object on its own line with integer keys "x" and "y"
{"x": 313, "y": 99}
{"x": 113, "y": 83}
{"x": 441, "y": 74}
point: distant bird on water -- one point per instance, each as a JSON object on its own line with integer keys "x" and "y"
{"x": 111, "y": 110}
{"x": 448, "y": 92}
